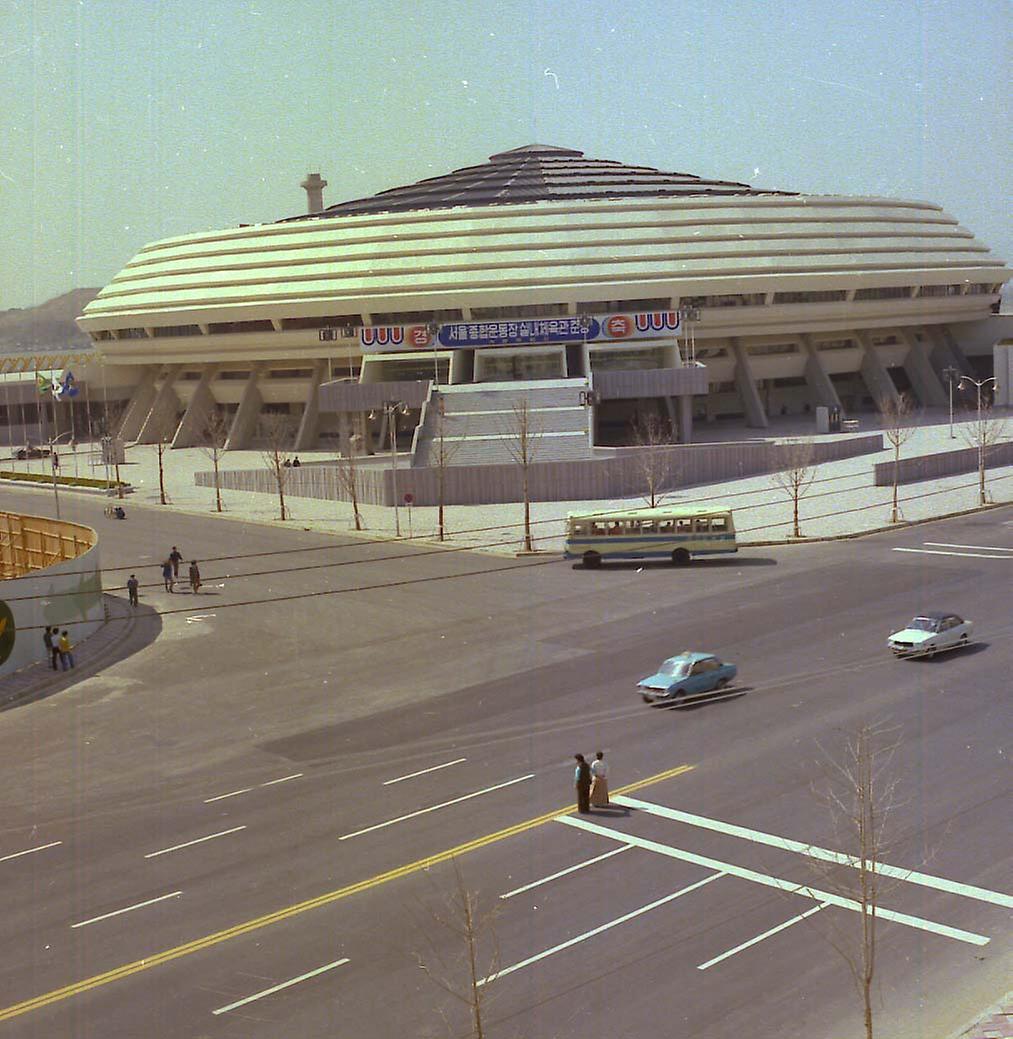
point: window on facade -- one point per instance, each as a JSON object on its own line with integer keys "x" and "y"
{"x": 887, "y": 340}
{"x": 762, "y": 349}
{"x": 747, "y": 299}
{"x": 416, "y": 317}
{"x": 626, "y": 360}
{"x": 101, "y": 335}
{"x": 817, "y": 296}
{"x": 532, "y": 310}
{"x": 834, "y": 344}
{"x": 293, "y": 324}
{"x": 233, "y": 375}
{"x": 166, "y": 331}
{"x": 189, "y": 377}
{"x": 891, "y": 292}
{"x": 625, "y": 306}
{"x": 979, "y": 290}
{"x": 131, "y": 333}
{"x": 291, "y": 373}
{"x": 703, "y": 352}
{"x": 229, "y": 327}
{"x": 939, "y": 290}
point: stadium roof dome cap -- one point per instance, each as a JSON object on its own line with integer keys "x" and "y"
{"x": 537, "y": 173}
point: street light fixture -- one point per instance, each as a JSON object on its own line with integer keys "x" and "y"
{"x": 433, "y": 330}
{"x": 950, "y": 374}
{"x": 979, "y": 432}
{"x": 54, "y": 461}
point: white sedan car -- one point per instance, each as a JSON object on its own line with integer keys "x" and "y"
{"x": 929, "y": 634}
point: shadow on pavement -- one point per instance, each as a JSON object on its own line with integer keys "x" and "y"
{"x": 126, "y": 632}
{"x": 736, "y": 563}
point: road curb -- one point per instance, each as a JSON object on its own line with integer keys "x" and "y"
{"x": 994, "y": 1023}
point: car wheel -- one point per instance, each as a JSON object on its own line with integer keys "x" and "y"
{"x": 680, "y": 695}
{"x": 964, "y": 641}
{"x": 680, "y": 557}
{"x": 930, "y": 652}
{"x": 722, "y": 683}
{"x": 592, "y": 560}
{"x": 645, "y": 698}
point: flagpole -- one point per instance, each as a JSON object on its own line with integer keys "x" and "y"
{"x": 40, "y": 412}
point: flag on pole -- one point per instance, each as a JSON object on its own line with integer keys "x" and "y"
{"x": 43, "y": 384}
{"x": 65, "y": 389}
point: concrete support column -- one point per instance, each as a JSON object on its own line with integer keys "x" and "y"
{"x": 245, "y": 421}
{"x": 161, "y": 420}
{"x": 306, "y": 437}
{"x": 931, "y": 392}
{"x": 685, "y": 419}
{"x": 819, "y": 382}
{"x": 745, "y": 383}
{"x": 875, "y": 375}
{"x": 945, "y": 352}
{"x": 138, "y": 407}
{"x": 191, "y": 428}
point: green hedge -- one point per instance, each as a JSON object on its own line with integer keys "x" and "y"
{"x": 63, "y": 481}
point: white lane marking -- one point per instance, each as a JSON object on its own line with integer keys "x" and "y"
{"x": 760, "y": 937}
{"x": 981, "y": 548}
{"x": 200, "y": 840}
{"x": 200, "y": 617}
{"x": 284, "y": 779}
{"x": 775, "y": 882}
{"x": 231, "y": 793}
{"x": 435, "y": 768}
{"x": 941, "y": 552}
{"x": 433, "y": 808}
{"x": 563, "y": 872}
{"x": 127, "y": 909}
{"x": 29, "y": 851}
{"x": 278, "y": 988}
{"x": 598, "y": 930}
{"x": 952, "y": 887}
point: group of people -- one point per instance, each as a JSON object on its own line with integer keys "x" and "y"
{"x": 591, "y": 781}
{"x": 293, "y": 464}
{"x": 59, "y": 647}
{"x": 170, "y": 571}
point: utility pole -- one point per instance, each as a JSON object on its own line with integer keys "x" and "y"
{"x": 981, "y": 434}
{"x": 950, "y": 374}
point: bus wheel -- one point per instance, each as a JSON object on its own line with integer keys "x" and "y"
{"x": 592, "y": 560}
{"x": 680, "y": 557}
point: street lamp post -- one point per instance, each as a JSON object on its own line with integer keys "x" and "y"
{"x": 392, "y": 408}
{"x": 54, "y": 462}
{"x": 433, "y": 330}
{"x": 689, "y": 315}
{"x": 979, "y": 431}
{"x": 950, "y": 374}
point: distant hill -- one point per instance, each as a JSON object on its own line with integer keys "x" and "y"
{"x": 49, "y": 326}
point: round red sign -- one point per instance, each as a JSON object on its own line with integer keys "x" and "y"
{"x": 418, "y": 336}
{"x": 409, "y": 498}
{"x": 618, "y": 326}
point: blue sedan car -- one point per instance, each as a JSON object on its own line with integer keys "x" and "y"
{"x": 688, "y": 674}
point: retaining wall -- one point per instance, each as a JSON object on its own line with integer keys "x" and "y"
{"x": 946, "y": 463}
{"x": 619, "y": 476}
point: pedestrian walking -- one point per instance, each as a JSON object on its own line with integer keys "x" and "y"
{"x": 47, "y": 639}
{"x": 582, "y": 781}
{"x": 132, "y": 586}
{"x": 167, "y": 575}
{"x": 175, "y": 557}
{"x": 56, "y": 647}
{"x": 599, "y": 781}
{"x": 194, "y": 576}
{"x": 66, "y": 648}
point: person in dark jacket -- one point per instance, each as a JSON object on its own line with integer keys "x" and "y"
{"x": 582, "y": 781}
{"x": 51, "y": 648}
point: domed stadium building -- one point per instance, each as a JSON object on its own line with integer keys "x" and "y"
{"x": 597, "y": 292}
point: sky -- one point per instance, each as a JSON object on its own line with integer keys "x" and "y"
{"x": 125, "y": 122}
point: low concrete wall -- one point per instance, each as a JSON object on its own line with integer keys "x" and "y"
{"x": 35, "y": 593}
{"x": 619, "y": 476}
{"x": 946, "y": 463}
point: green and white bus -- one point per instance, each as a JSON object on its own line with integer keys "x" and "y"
{"x": 677, "y": 533}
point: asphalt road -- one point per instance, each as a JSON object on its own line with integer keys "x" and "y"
{"x": 214, "y": 836}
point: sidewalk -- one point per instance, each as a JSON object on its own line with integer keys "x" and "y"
{"x": 995, "y": 1023}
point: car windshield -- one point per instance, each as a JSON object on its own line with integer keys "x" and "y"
{"x": 676, "y": 667}
{"x": 924, "y": 624}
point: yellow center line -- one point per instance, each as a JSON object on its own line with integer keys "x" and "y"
{"x": 166, "y": 956}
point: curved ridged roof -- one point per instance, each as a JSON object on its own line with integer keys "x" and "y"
{"x": 537, "y": 173}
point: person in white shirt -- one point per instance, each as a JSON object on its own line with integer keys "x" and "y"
{"x": 599, "y": 781}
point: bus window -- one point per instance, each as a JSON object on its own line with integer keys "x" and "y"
{"x": 599, "y": 528}
{"x": 719, "y": 524}
{"x": 647, "y": 526}
{"x": 666, "y": 526}
{"x": 616, "y": 528}
{"x": 684, "y": 526}
{"x": 701, "y": 525}
{"x": 581, "y": 528}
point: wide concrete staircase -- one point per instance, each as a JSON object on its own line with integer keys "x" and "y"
{"x": 481, "y": 423}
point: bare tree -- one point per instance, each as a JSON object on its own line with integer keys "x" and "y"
{"x": 795, "y": 475}
{"x": 161, "y": 444}
{"x": 523, "y": 447}
{"x": 461, "y": 916}
{"x": 347, "y": 468}
{"x": 216, "y": 434}
{"x": 442, "y": 457}
{"x": 983, "y": 430}
{"x": 898, "y": 413}
{"x": 276, "y": 455}
{"x": 858, "y": 789}
{"x": 653, "y": 438}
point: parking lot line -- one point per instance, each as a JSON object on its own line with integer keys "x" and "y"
{"x": 910, "y": 876}
{"x": 775, "y": 882}
{"x": 760, "y": 937}
{"x": 127, "y": 909}
{"x": 598, "y": 930}
{"x": 29, "y": 851}
{"x": 199, "y": 840}
{"x": 434, "y": 808}
{"x": 564, "y": 872}
{"x": 423, "y": 772}
{"x": 231, "y": 793}
{"x": 277, "y": 988}
{"x": 943, "y": 552}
